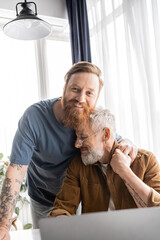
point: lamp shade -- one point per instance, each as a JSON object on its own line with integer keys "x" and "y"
{"x": 27, "y": 26}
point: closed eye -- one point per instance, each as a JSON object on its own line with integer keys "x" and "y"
{"x": 83, "y": 138}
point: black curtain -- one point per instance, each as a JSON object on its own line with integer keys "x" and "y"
{"x": 79, "y": 30}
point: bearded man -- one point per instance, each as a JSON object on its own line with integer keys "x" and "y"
{"x": 105, "y": 178}
{"x": 44, "y": 144}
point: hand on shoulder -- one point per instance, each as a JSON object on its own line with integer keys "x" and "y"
{"x": 128, "y": 148}
{"x": 120, "y": 163}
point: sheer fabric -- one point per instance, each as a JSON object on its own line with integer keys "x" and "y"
{"x": 125, "y": 36}
{"x": 18, "y": 86}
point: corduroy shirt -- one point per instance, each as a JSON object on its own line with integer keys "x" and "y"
{"x": 89, "y": 185}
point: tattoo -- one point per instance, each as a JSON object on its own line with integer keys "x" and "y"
{"x": 8, "y": 225}
{"x": 18, "y": 166}
{"x": 8, "y": 201}
{"x": 17, "y": 181}
{"x": 135, "y": 195}
{"x": 15, "y": 193}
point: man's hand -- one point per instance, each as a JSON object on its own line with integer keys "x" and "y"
{"x": 120, "y": 163}
{"x": 139, "y": 190}
{"x": 128, "y": 148}
{"x": 4, "y": 234}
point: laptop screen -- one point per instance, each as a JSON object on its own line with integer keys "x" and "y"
{"x": 132, "y": 224}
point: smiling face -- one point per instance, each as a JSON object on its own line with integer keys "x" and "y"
{"x": 79, "y": 98}
{"x": 91, "y": 144}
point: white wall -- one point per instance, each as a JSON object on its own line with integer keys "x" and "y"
{"x": 53, "y": 8}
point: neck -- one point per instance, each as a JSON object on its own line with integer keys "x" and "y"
{"x": 58, "y": 110}
{"x": 108, "y": 151}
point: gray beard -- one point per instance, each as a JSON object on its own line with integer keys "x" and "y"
{"x": 92, "y": 157}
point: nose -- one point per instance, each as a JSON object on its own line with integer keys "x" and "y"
{"x": 78, "y": 143}
{"x": 81, "y": 97}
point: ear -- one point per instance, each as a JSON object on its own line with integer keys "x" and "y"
{"x": 107, "y": 134}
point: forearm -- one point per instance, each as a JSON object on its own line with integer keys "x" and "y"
{"x": 137, "y": 188}
{"x": 10, "y": 192}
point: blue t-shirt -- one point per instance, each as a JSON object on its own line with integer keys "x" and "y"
{"x": 47, "y": 147}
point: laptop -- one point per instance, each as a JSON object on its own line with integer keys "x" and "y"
{"x": 132, "y": 224}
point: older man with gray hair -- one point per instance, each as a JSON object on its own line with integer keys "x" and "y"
{"x": 104, "y": 177}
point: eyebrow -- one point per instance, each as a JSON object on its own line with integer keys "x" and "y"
{"x": 76, "y": 85}
{"x": 84, "y": 136}
{"x": 91, "y": 89}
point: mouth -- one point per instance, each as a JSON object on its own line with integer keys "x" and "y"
{"x": 84, "y": 150}
{"x": 78, "y": 106}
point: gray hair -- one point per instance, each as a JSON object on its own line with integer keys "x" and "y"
{"x": 102, "y": 118}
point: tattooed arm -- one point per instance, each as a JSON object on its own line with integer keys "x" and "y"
{"x": 140, "y": 191}
{"x": 10, "y": 192}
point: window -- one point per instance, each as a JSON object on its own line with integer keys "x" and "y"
{"x": 18, "y": 85}
{"x": 21, "y": 70}
{"x": 59, "y": 61}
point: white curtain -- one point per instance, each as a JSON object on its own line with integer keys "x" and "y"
{"x": 125, "y": 37}
{"x": 18, "y": 86}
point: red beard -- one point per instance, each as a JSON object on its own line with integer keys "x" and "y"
{"x": 74, "y": 118}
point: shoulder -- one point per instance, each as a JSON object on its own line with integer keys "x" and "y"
{"x": 38, "y": 110}
{"x": 39, "y": 106}
{"x": 146, "y": 159}
{"x": 145, "y": 154}
{"x": 76, "y": 162}
{"x": 78, "y": 168}
{"x": 76, "y": 165}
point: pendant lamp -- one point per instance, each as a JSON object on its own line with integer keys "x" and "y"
{"x": 27, "y": 26}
